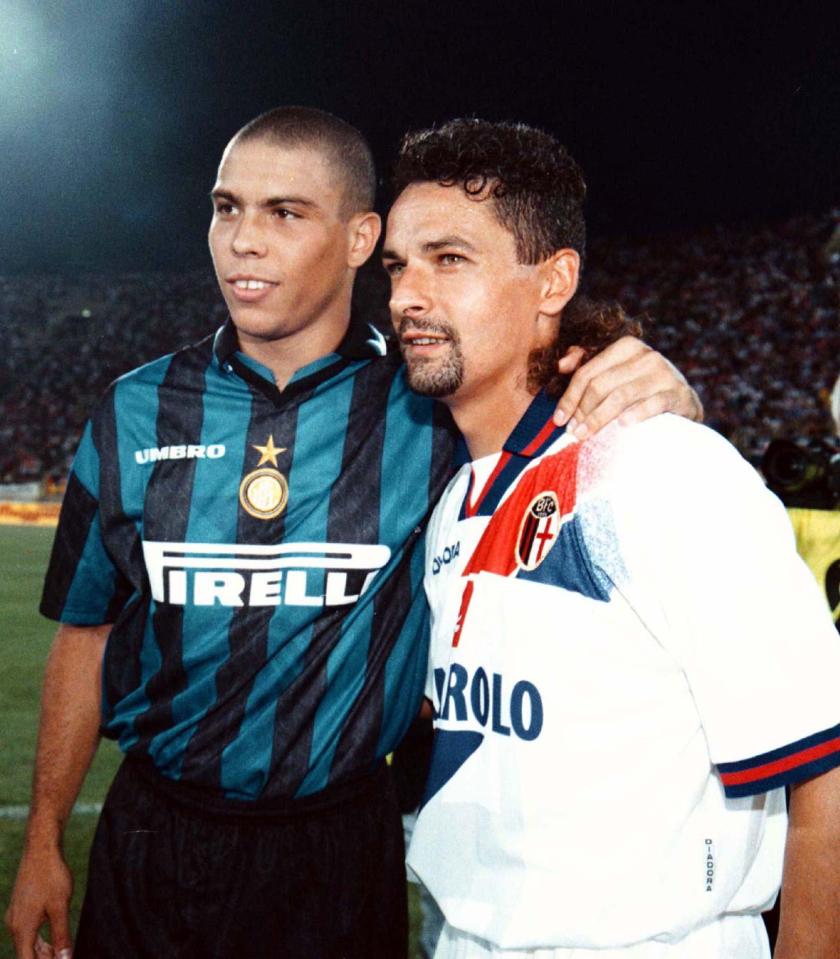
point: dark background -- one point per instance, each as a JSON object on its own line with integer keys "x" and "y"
{"x": 113, "y": 113}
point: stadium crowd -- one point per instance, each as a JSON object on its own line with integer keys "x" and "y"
{"x": 750, "y": 315}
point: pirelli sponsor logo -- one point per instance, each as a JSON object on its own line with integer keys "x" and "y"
{"x": 291, "y": 574}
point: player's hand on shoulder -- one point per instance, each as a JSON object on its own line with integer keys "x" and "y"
{"x": 627, "y": 381}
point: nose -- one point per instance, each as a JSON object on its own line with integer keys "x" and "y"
{"x": 248, "y": 238}
{"x": 410, "y": 293}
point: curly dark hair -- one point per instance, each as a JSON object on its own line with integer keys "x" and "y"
{"x": 537, "y": 188}
{"x": 590, "y": 324}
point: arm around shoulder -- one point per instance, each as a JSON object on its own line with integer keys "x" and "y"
{"x": 627, "y": 379}
{"x": 68, "y": 735}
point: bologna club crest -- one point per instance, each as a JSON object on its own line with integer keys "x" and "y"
{"x": 538, "y": 531}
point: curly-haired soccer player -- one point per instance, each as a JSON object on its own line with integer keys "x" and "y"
{"x": 628, "y": 659}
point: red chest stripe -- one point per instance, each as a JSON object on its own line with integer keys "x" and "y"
{"x": 496, "y": 550}
{"x": 462, "y": 612}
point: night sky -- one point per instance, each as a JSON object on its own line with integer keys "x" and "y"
{"x": 113, "y": 113}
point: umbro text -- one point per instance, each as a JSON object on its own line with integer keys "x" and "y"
{"x": 190, "y": 451}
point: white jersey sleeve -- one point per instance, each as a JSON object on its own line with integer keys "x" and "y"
{"x": 725, "y": 590}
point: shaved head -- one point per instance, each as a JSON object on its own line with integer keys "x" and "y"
{"x": 341, "y": 144}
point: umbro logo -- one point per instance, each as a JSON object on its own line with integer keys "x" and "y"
{"x": 197, "y": 451}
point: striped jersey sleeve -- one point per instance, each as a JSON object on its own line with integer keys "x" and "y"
{"x": 82, "y": 585}
{"x": 723, "y": 588}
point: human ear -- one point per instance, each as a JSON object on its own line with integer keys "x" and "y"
{"x": 560, "y": 281}
{"x": 363, "y": 232}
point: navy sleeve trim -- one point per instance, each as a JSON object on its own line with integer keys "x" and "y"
{"x": 803, "y": 759}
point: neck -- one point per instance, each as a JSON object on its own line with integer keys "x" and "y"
{"x": 285, "y": 355}
{"x": 486, "y": 422}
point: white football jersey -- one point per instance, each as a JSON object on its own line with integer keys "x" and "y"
{"x": 628, "y": 661}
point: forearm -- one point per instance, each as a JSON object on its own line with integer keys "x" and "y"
{"x": 68, "y": 731}
{"x": 810, "y": 905}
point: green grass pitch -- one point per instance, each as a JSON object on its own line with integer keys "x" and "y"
{"x": 25, "y": 638}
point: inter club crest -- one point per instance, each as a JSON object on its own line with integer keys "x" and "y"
{"x": 264, "y": 491}
{"x": 538, "y": 531}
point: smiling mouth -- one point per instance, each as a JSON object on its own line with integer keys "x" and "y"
{"x": 424, "y": 340}
{"x": 252, "y": 284}
{"x": 432, "y": 335}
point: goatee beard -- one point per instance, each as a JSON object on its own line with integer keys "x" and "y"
{"x": 438, "y": 377}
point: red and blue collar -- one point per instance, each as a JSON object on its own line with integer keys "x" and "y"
{"x": 531, "y": 437}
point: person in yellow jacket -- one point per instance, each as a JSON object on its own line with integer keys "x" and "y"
{"x": 818, "y": 541}
{"x": 808, "y": 482}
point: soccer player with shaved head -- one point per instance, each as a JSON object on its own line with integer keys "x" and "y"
{"x": 628, "y": 659}
{"x": 238, "y": 577}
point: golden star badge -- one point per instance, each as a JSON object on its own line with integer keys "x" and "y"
{"x": 269, "y": 452}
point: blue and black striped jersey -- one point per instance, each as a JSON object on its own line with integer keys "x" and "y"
{"x": 260, "y": 555}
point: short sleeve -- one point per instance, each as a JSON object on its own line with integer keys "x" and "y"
{"x": 82, "y": 585}
{"x": 711, "y": 555}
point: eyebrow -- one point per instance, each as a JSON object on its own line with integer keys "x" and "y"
{"x": 432, "y": 245}
{"x": 451, "y": 240}
{"x": 269, "y": 203}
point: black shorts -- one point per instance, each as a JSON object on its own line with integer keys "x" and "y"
{"x": 175, "y": 876}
